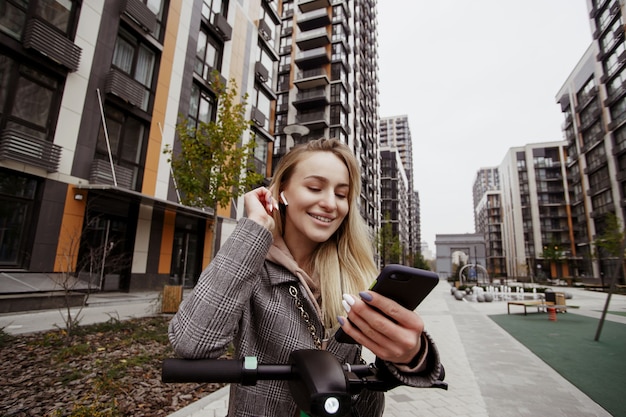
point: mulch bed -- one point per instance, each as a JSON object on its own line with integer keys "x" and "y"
{"x": 112, "y": 369}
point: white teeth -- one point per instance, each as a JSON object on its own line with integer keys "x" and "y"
{"x": 322, "y": 219}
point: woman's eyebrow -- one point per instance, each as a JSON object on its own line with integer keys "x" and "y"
{"x": 325, "y": 180}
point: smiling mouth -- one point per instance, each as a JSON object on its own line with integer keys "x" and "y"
{"x": 320, "y": 218}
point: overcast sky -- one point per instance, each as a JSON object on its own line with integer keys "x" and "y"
{"x": 475, "y": 79}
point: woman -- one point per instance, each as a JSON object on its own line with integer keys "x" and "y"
{"x": 276, "y": 286}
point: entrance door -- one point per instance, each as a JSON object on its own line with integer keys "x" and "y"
{"x": 104, "y": 257}
{"x": 184, "y": 268}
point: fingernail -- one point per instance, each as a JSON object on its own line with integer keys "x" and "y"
{"x": 346, "y": 306}
{"x": 365, "y": 296}
{"x": 341, "y": 320}
{"x": 349, "y": 299}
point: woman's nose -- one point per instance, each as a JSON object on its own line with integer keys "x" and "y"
{"x": 329, "y": 201}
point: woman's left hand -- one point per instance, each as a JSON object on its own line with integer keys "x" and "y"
{"x": 396, "y": 340}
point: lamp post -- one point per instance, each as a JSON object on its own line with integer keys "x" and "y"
{"x": 295, "y": 132}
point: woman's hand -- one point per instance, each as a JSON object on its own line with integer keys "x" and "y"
{"x": 397, "y": 342}
{"x": 259, "y": 205}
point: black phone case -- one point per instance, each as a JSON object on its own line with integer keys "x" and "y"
{"x": 405, "y": 285}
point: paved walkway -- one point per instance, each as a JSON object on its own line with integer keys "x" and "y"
{"x": 489, "y": 373}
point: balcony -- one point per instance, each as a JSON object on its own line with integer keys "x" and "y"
{"x": 313, "y": 39}
{"x": 313, "y": 120}
{"x": 101, "y": 174}
{"x": 141, "y": 14}
{"x": 30, "y": 150}
{"x": 313, "y": 20}
{"x": 308, "y": 5}
{"x": 316, "y": 77}
{"x": 43, "y": 39}
{"x": 124, "y": 87}
{"x": 308, "y": 99}
{"x": 261, "y": 73}
{"x": 312, "y": 58}
{"x": 258, "y": 117}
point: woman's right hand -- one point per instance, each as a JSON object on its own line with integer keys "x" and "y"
{"x": 259, "y": 205}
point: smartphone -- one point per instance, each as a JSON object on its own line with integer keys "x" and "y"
{"x": 405, "y": 285}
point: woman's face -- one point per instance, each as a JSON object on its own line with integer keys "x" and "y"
{"x": 317, "y": 193}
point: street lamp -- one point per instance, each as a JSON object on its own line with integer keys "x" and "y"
{"x": 295, "y": 132}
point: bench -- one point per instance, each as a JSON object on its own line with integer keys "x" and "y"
{"x": 525, "y": 304}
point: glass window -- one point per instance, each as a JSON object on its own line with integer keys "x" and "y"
{"x": 268, "y": 62}
{"x": 17, "y": 194}
{"x": 15, "y": 13}
{"x": 126, "y": 138}
{"x": 201, "y": 107}
{"x": 133, "y": 56}
{"x": 7, "y": 66}
{"x": 208, "y": 55}
{"x": 12, "y": 17}
{"x": 56, "y": 12}
{"x": 212, "y": 7}
{"x": 29, "y": 99}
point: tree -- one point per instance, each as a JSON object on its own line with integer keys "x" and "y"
{"x": 388, "y": 244}
{"x": 213, "y": 166}
{"x": 554, "y": 255}
{"x": 420, "y": 262}
{"x": 80, "y": 267}
{"x": 613, "y": 241}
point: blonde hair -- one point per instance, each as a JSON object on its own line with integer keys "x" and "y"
{"x": 345, "y": 262}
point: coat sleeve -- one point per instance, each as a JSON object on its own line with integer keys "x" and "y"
{"x": 207, "y": 319}
{"x": 431, "y": 376}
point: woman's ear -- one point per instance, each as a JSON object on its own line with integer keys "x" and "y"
{"x": 283, "y": 199}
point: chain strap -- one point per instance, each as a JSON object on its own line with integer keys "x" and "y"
{"x": 305, "y": 316}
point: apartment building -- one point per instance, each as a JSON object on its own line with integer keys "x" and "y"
{"x": 593, "y": 101}
{"x": 395, "y": 199}
{"x": 487, "y": 197}
{"x": 395, "y": 136}
{"x": 327, "y": 84}
{"x": 535, "y": 205}
{"x": 90, "y": 94}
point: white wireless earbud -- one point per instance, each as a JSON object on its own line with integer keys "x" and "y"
{"x": 282, "y": 197}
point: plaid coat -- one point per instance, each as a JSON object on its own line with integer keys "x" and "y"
{"x": 244, "y": 299}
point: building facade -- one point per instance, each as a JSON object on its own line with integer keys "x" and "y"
{"x": 487, "y": 198}
{"x": 395, "y": 135}
{"x": 535, "y": 205}
{"x": 593, "y": 101}
{"x": 90, "y": 94}
{"x": 327, "y": 84}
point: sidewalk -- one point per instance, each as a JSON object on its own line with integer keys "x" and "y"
{"x": 489, "y": 373}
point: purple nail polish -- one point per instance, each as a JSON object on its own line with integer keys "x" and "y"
{"x": 340, "y": 320}
{"x": 365, "y": 296}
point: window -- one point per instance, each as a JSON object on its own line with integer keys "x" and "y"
{"x": 263, "y": 103}
{"x": 156, "y": 7}
{"x": 212, "y": 7}
{"x": 268, "y": 62}
{"x": 260, "y": 155}
{"x": 133, "y": 56}
{"x": 14, "y": 14}
{"x": 29, "y": 99}
{"x": 201, "y": 107}
{"x": 127, "y": 136}
{"x": 208, "y": 55}
{"x": 266, "y": 18}
{"x": 17, "y": 195}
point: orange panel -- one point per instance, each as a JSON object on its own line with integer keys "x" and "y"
{"x": 71, "y": 230}
{"x": 167, "y": 242}
{"x": 160, "y": 103}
